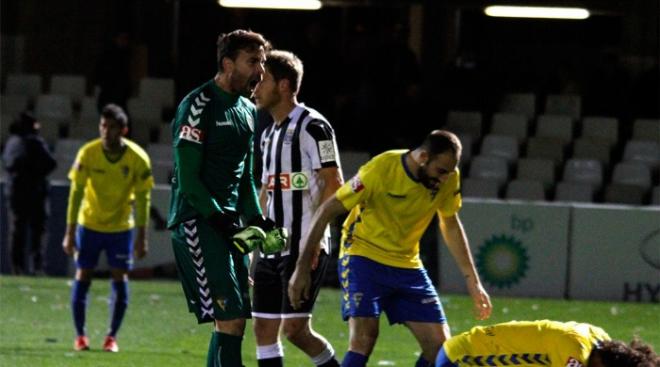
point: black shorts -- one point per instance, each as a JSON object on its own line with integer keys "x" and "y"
{"x": 270, "y": 299}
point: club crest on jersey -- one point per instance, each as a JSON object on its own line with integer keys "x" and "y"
{"x": 356, "y": 184}
{"x": 191, "y": 134}
{"x": 288, "y": 136}
{"x": 572, "y": 362}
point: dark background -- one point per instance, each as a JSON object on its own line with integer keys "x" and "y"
{"x": 386, "y": 70}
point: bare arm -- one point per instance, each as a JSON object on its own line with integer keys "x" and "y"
{"x": 331, "y": 180}
{"x": 263, "y": 199}
{"x": 300, "y": 281}
{"x": 456, "y": 240}
{"x": 309, "y": 246}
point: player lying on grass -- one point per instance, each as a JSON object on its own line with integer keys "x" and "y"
{"x": 543, "y": 343}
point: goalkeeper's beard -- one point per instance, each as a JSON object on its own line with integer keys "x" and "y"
{"x": 426, "y": 180}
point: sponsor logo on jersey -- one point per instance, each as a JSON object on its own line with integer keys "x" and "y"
{"x": 356, "y": 184}
{"x": 327, "y": 151}
{"x": 572, "y": 362}
{"x": 288, "y": 136}
{"x": 191, "y": 134}
{"x": 124, "y": 171}
{"x": 223, "y": 123}
{"x": 290, "y": 181}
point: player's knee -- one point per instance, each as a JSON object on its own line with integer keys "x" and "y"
{"x": 84, "y": 275}
{"x": 264, "y": 331}
{"x": 295, "y": 330}
{"x": 231, "y": 327}
{"x": 364, "y": 340}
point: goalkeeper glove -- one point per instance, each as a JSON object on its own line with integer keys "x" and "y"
{"x": 275, "y": 237}
{"x": 248, "y": 239}
{"x": 243, "y": 239}
{"x": 275, "y": 241}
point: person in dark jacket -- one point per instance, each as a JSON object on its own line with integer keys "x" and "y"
{"x": 28, "y": 161}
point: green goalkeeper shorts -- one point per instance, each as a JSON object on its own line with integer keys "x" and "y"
{"x": 214, "y": 279}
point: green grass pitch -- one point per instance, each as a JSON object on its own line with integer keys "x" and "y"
{"x": 36, "y": 327}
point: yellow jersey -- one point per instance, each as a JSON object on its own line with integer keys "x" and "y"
{"x": 390, "y": 210}
{"x": 110, "y": 186}
{"x": 525, "y": 343}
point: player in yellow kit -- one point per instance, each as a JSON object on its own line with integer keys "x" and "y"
{"x": 392, "y": 200}
{"x": 542, "y": 343}
{"x": 109, "y": 176}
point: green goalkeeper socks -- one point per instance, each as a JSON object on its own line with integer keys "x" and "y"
{"x": 224, "y": 350}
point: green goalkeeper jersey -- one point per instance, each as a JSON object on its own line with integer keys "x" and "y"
{"x": 213, "y": 152}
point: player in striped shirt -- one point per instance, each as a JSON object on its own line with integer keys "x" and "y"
{"x": 300, "y": 170}
{"x": 109, "y": 176}
{"x": 542, "y": 343}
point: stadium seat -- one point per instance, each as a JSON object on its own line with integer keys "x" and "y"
{"x": 489, "y": 168}
{"x": 633, "y": 174}
{"x": 69, "y": 85}
{"x": 655, "y": 196}
{"x": 141, "y": 133}
{"x": 546, "y": 148}
{"x": 13, "y": 104}
{"x": 24, "y": 84}
{"x": 510, "y": 124}
{"x": 162, "y": 172}
{"x": 585, "y": 171}
{"x": 587, "y": 148}
{"x": 165, "y": 135}
{"x": 574, "y": 192}
{"x": 555, "y": 126}
{"x": 480, "y": 188}
{"x": 645, "y": 152}
{"x": 67, "y": 148}
{"x": 145, "y": 120}
{"x": 160, "y": 152}
{"x": 601, "y": 128}
{"x": 61, "y": 172}
{"x": 542, "y": 170}
{"x": 646, "y": 129}
{"x": 564, "y": 104}
{"x": 618, "y": 193}
{"x": 525, "y": 190}
{"x": 465, "y": 122}
{"x": 502, "y": 146}
{"x": 144, "y": 110}
{"x": 519, "y": 103}
{"x": 467, "y": 143}
{"x": 157, "y": 91}
{"x": 54, "y": 107}
{"x": 53, "y": 112}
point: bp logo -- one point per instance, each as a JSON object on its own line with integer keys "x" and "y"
{"x": 502, "y": 261}
{"x": 299, "y": 181}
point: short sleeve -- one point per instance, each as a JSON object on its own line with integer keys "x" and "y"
{"x": 319, "y": 144}
{"x": 144, "y": 177}
{"x": 359, "y": 188}
{"x": 79, "y": 170}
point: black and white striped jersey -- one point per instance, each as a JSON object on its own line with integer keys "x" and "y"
{"x": 294, "y": 151}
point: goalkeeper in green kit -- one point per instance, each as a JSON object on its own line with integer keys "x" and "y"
{"x": 214, "y": 213}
